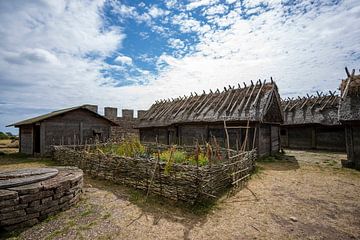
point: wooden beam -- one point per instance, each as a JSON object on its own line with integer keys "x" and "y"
{"x": 243, "y": 100}
{"x": 249, "y": 99}
{"x": 257, "y": 95}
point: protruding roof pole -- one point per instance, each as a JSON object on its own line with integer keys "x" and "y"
{"x": 347, "y": 72}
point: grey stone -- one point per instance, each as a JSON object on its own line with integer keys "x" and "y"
{"x": 13, "y": 214}
{"x": 9, "y": 202}
{"x": 13, "y": 208}
{"x": 6, "y": 194}
{"x": 19, "y": 219}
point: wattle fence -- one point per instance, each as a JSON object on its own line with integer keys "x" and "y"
{"x": 189, "y": 183}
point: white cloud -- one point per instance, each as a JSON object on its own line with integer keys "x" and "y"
{"x": 217, "y": 9}
{"x": 199, "y": 3}
{"x": 303, "y": 52}
{"x": 176, "y": 43}
{"x": 157, "y": 12}
{"x": 32, "y": 56}
{"x": 123, "y": 60}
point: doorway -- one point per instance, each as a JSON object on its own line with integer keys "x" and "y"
{"x": 37, "y": 139}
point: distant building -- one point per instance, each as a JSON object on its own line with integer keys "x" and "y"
{"x": 349, "y": 116}
{"x": 253, "y": 115}
{"x": 312, "y": 123}
{"x": 71, "y": 126}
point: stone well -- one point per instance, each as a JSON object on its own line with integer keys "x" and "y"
{"x": 28, "y": 196}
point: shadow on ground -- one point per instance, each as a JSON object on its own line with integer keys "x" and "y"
{"x": 279, "y": 162}
{"x": 158, "y": 207}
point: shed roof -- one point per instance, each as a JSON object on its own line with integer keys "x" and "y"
{"x": 320, "y": 109}
{"x": 233, "y": 104}
{"x": 349, "y": 109}
{"x": 57, "y": 113}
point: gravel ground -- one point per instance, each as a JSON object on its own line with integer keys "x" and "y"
{"x": 305, "y": 195}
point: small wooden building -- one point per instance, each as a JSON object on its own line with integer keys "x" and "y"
{"x": 349, "y": 115}
{"x": 71, "y": 126}
{"x": 311, "y": 122}
{"x": 252, "y": 115}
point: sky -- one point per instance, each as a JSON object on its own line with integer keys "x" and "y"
{"x": 127, "y": 54}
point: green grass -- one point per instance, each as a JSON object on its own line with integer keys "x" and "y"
{"x": 128, "y": 148}
{"x": 26, "y": 160}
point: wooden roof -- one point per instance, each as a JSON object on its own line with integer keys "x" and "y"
{"x": 234, "y": 103}
{"x": 319, "y": 109}
{"x": 57, "y": 113}
{"x": 350, "y": 97}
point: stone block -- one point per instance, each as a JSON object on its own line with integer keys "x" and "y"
{"x": 6, "y": 194}
{"x": 13, "y": 214}
{"x": 13, "y": 208}
{"x": 46, "y": 200}
{"x": 9, "y": 202}
{"x": 19, "y": 219}
{"x": 33, "y": 197}
{"x": 27, "y": 189}
{"x": 66, "y": 198}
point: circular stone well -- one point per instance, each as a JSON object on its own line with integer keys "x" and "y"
{"x": 28, "y": 196}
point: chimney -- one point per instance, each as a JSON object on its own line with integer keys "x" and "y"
{"x": 141, "y": 113}
{"x": 128, "y": 113}
{"x": 110, "y": 112}
{"x": 93, "y": 108}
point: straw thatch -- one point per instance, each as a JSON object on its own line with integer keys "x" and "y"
{"x": 321, "y": 109}
{"x": 350, "y": 98}
{"x": 258, "y": 102}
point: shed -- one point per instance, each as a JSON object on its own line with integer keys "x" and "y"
{"x": 70, "y": 126}
{"x": 349, "y": 115}
{"x": 251, "y": 114}
{"x": 311, "y": 122}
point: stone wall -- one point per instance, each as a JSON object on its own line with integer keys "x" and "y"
{"x": 25, "y": 205}
{"x": 183, "y": 182}
{"x": 127, "y": 122}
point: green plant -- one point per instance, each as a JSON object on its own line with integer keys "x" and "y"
{"x": 128, "y": 148}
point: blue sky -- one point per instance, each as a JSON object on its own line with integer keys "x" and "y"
{"x": 127, "y": 54}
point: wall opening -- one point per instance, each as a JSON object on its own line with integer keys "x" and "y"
{"x": 37, "y": 139}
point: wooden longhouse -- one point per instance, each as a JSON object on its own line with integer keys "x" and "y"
{"x": 311, "y": 122}
{"x": 349, "y": 116}
{"x": 251, "y": 114}
{"x": 70, "y": 126}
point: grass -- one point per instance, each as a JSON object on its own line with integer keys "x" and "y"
{"x": 128, "y": 148}
{"x": 13, "y": 160}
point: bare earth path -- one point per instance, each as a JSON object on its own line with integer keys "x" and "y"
{"x": 306, "y": 196}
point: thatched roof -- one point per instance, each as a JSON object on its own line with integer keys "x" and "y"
{"x": 350, "y": 97}
{"x": 258, "y": 102}
{"x": 320, "y": 109}
{"x": 57, "y": 113}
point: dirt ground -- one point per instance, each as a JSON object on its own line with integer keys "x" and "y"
{"x": 303, "y": 195}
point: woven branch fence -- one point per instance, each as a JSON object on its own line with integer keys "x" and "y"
{"x": 188, "y": 183}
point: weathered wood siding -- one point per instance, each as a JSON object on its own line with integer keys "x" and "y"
{"x": 26, "y": 139}
{"x": 275, "y": 144}
{"x": 189, "y": 134}
{"x": 76, "y": 127}
{"x": 264, "y": 140}
{"x": 330, "y": 138}
{"x": 353, "y": 144}
{"x": 300, "y": 138}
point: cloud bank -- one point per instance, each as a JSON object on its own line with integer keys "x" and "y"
{"x": 55, "y": 54}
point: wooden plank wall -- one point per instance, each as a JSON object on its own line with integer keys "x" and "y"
{"x": 26, "y": 140}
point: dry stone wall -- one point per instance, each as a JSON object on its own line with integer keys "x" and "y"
{"x": 29, "y": 196}
{"x": 187, "y": 183}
